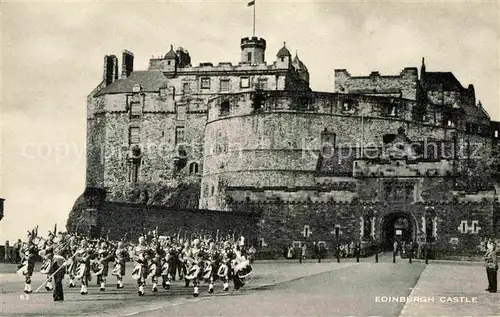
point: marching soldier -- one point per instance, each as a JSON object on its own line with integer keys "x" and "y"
{"x": 104, "y": 256}
{"x": 71, "y": 268}
{"x": 141, "y": 265}
{"x": 29, "y": 251}
{"x": 82, "y": 257}
{"x": 156, "y": 254}
{"x": 57, "y": 268}
{"x": 121, "y": 256}
{"x": 46, "y": 254}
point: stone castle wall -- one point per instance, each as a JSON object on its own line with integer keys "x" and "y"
{"x": 406, "y": 83}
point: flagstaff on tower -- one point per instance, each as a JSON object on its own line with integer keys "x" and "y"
{"x": 252, "y": 4}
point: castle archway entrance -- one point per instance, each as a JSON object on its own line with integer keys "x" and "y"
{"x": 397, "y": 226}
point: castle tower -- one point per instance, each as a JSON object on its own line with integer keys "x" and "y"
{"x": 284, "y": 58}
{"x": 172, "y": 60}
{"x": 253, "y": 50}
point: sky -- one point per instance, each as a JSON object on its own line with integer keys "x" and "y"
{"x": 52, "y": 57}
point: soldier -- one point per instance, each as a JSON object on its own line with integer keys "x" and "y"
{"x": 141, "y": 265}
{"x": 104, "y": 256}
{"x": 57, "y": 268}
{"x": 71, "y": 268}
{"x": 194, "y": 270}
{"x": 121, "y": 256}
{"x": 46, "y": 254}
{"x": 224, "y": 271}
{"x": 29, "y": 251}
{"x": 82, "y": 257}
{"x": 155, "y": 255}
{"x": 491, "y": 263}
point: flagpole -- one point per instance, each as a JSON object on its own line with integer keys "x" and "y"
{"x": 254, "y": 5}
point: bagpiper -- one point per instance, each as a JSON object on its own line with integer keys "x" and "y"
{"x": 71, "y": 268}
{"x": 46, "y": 254}
{"x": 141, "y": 265}
{"x": 29, "y": 252}
{"x": 82, "y": 257}
{"x": 194, "y": 266}
{"x": 104, "y": 256}
{"x": 121, "y": 256}
{"x": 155, "y": 255}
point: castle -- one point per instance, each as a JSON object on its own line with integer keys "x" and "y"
{"x": 251, "y": 149}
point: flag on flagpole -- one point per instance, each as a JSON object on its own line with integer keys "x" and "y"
{"x": 251, "y": 3}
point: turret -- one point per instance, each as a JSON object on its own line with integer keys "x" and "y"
{"x": 284, "y": 58}
{"x": 172, "y": 60}
{"x": 300, "y": 68}
{"x": 253, "y": 50}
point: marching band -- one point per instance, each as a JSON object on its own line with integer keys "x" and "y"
{"x": 197, "y": 261}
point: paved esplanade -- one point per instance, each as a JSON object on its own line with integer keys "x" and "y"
{"x": 281, "y": 289}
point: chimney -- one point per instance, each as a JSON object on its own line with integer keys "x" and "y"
{"x": 110, "y": 73}
{"x": 127, "y": 64}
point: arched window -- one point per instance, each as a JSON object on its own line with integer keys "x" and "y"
{"x": 193, "y": 168}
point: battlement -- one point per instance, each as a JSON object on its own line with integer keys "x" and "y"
{"x": 253, "y": 41}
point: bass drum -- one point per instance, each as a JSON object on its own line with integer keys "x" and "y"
{"x": 243, "y": 269}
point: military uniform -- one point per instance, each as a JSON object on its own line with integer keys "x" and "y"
{"x": 121, "y": 256}
{"x": 29, "y": 251}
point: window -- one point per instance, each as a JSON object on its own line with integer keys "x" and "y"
{"x": 133, "y": 173}
{"x": 282, "y": 59}
{"x": 496, "y": 134}
{"x": 224, "y": 84}
{"x": 134, "y": 135}
{"x": 224, "y": 108}
{"x": 181, "y": 112}
{"x": 205, "y": 83}
{"x": 212, "y": 190}
{"x": 347, "y": 105}
{"x": 193, "y": 168}
{"x": 186, "y": 88}
{"x": 262, "y": 83}
{"x": 163, "y": 92}
{"x": 169, "y": 62}
{"x": 249, "y": 57}
{"x": 245, "y": 82}
{"x": 179, "y": 135}
{"x": 135, "y": 109}
{"x": 392, "y": 110}
{"x": 328, "y": 143}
